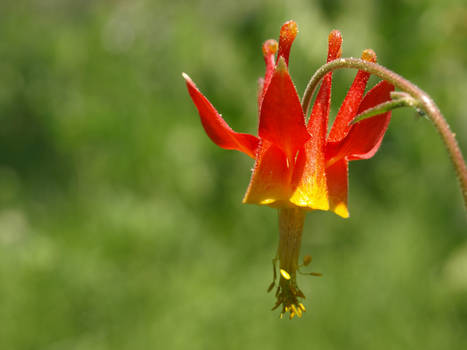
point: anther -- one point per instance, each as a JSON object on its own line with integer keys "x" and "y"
{"x": 285, "y": 274}
{"x": 299, "y": 313}
{"x": 294, "y": 309}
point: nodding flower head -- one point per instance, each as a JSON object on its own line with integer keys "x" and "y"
{"x": 299, "y": 165}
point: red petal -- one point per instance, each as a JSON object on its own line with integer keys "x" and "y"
{"x": 269, "y": 50}
{"x": 309, "y": 179}
{"x": 334, "y": 45}
{"x": 281, "y": 117}
{"x": 337, "y": 180}
{"x": 320, "y": 112}
{"x": 270, "y": 182}
{"x": 288, "y": 33}
{"x": 349, "y": 107}
{"x": 364, "y": 137}
{"x": 216, "y": 127}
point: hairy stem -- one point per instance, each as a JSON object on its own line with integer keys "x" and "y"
{"x": 396, "y": 102}
{"x": 425, "y": 103}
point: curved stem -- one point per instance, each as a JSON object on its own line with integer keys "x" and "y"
{"x": 398, "y": 100}
{"x": 426, "y": 103}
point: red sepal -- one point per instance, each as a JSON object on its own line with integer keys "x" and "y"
{"x": 270, "y": 181}
{"x": 216, "y": 127}
{"x": 365, "y": 137}
{"x": 281, "y": 117}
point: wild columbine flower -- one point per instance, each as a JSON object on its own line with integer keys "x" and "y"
{"x": 299, "y": 166}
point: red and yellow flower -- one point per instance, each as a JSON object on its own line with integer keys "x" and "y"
{"x": 299, "y": 166}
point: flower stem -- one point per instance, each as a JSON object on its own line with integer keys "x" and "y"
{"x": 424, "y": 100}
{"x": 397, "y": 101}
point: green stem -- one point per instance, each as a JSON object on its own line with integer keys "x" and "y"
{"x": 398, "y": 102}
{"x": 424, "y": 100}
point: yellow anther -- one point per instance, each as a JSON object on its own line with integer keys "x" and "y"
{"x": 292, "y": 314}
{"x": 281, "y": 315}
{"x": 294, "y": 309}
{"x": 299, "y": 313}
{"x": 285, "y": 274}
{"x": 287, "y": 309}
{"x": 302, "y": 306}
{"x": 307, "y": 260}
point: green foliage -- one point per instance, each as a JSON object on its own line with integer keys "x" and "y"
{"x": 121, "y": 224}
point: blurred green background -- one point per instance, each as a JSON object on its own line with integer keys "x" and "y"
{"x": 121, "y": 224}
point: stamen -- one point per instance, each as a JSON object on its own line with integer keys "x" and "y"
{"x": 276, "y": 305}
{"x": 294, "y": 309}
{"x": 285, "y": 274}
{"x": 274, "y": 269}
{"x": 274, "y": 276}
{"x": 306, "y": 260}
{"x": 299, "y": 312}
